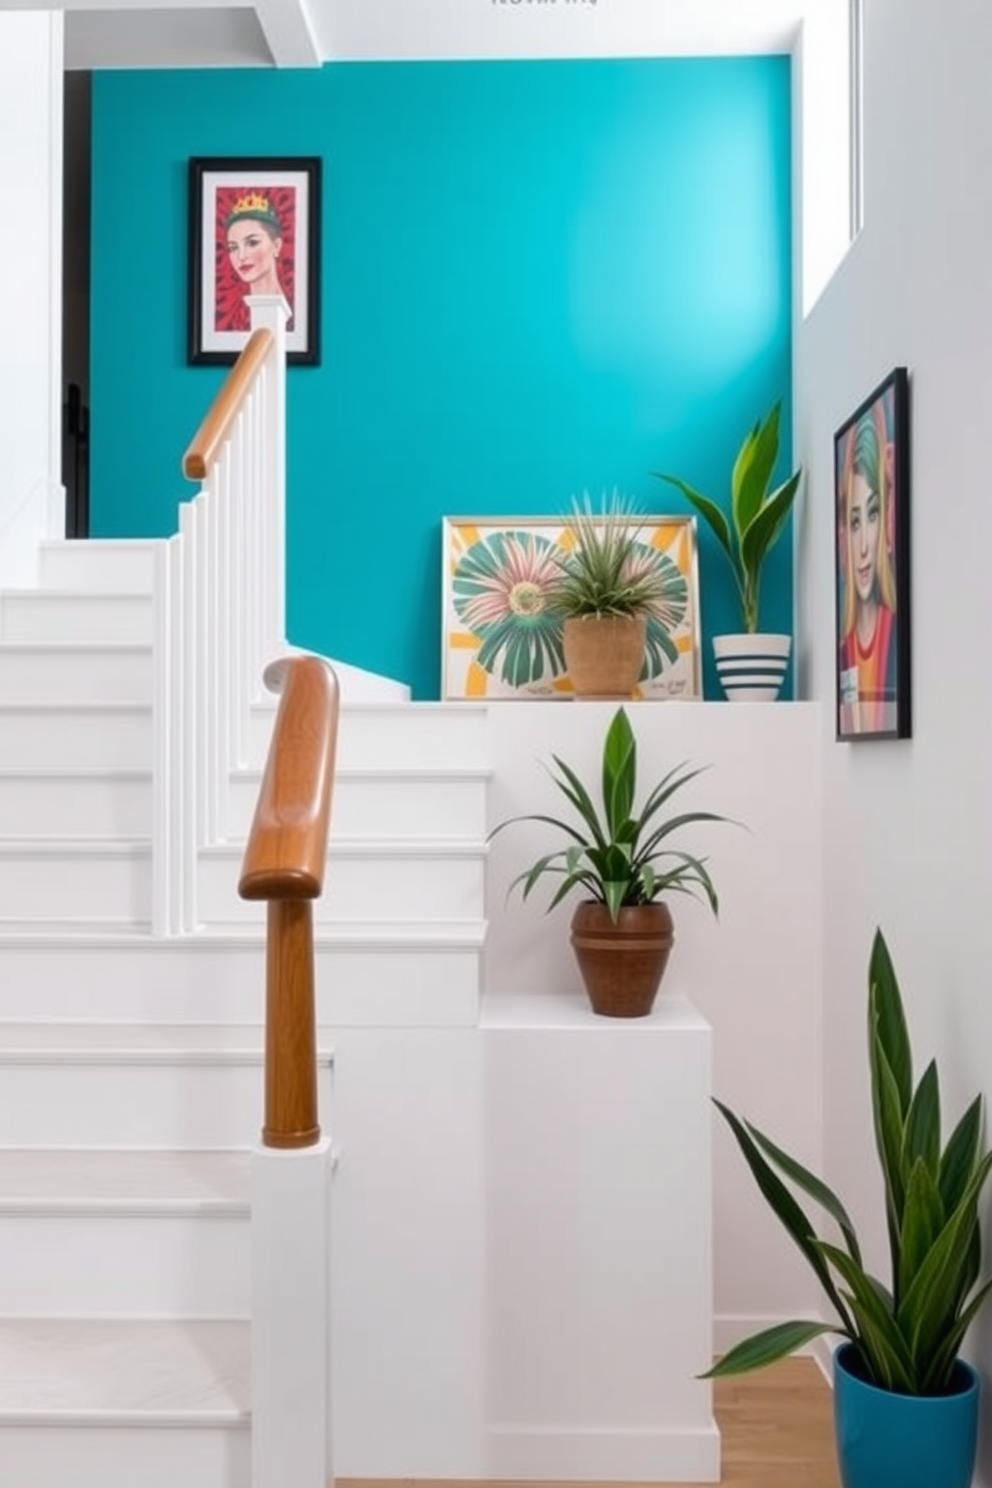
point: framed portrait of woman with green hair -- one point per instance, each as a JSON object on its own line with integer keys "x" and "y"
{"x": 253, "y": 230}
{"x": 871, "y": 483}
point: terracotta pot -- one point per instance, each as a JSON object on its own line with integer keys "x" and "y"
{"x": 622, "y": 963}
{"x": 604, "y": 654}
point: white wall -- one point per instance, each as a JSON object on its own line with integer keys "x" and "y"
{"x": 755, "y": 975}
{"x": 31, "y": 275}
{"x": 908, "y": 825}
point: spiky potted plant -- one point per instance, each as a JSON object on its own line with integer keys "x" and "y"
{"x": 623, "y": 859}
{"x": 905, "y": 1403}
{"x": 752, "y": 663}
{"x": 609, "y": 587}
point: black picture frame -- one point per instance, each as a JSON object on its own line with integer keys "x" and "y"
{"x": 871, "y": 552}
{"x": 254, "y": 223}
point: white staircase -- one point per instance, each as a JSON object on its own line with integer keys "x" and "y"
{"x": 131, "y": 1061}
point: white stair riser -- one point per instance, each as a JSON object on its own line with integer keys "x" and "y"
{"x": 155, "y": 1105}
{"x": 356, "y": 984}
{"x": 103, "y": 806}
{"x": 359, "y": 888}
{"x": 42, "y": 615}
{"x": 93, "y": 1456}
{"x": 75, "y": 738}
{"x": 394, "y": 809}
{"x": 106, "y": 567}
{"x": 111, "y": 889}
{"x": 70, "y": 1266}
{"x": 76, "y": 674}
{"x": 409, "y": 737}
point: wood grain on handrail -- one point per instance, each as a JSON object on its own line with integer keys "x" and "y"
{"x": 209, "y": 437}
{"x": 284, "y": 863}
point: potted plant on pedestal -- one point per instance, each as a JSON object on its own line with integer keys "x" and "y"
{"x": 750, "y": 665}
{"x": 610, "y": 586}
{"x": 623, "y": 859}
{"x": 905, "y": 1404}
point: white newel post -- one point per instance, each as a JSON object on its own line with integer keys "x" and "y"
{"x": 271, "y": 312}
{"x": 290, "y": 1331}
{"x": 32, "y": 499}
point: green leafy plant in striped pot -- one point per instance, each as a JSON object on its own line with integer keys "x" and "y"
{"x": 751, "y": 663}
{"x": 905, "y": 1402}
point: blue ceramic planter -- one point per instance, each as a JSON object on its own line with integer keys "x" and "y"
{"x": 886, "y": 1440}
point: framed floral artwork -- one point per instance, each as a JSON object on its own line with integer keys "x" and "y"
{"x": 254, "y": 228}
{"x": 871, "y": 482}
{"x": 501, "y": 637}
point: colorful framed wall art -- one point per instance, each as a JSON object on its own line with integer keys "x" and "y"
{"x": 871, "y": 483}
{"x": 500, "y": 635}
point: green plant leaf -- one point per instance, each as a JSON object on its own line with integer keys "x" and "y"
{"x": 710, "y": 513}
{"x": 572, "y": 788}
{"x": 767, "y": 1347}
{"x": 921, "y": 1134}
{"x": 959, "y": 1157}
{"x": 766, "y": 527}
{"x": 887, "y": 1116}
{"x": 922, "y": 1221}
{"x": 810, "y": 1184}
{"x": 619, "y": 772}
{"x": 938, "y": 1373}
{"x": 786, "y": 1209}
{"x": 753, "y": 468}
{"x": 614, "y": 893}
{"x": 934, "y": 1299}
{"x": 887, "y": 1351}
{"x": 885, "y": 1003}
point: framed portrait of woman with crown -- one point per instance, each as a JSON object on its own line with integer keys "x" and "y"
{"x": 254, "y": 229}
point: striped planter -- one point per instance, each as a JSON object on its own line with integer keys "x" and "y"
{"x": 751, "y": 667}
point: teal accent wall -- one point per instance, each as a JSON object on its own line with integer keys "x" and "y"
{"x": 539, "y": 279}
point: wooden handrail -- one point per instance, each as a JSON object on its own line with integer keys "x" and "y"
{"x": 209, "y": 437}
{"x": 284, "y": 864}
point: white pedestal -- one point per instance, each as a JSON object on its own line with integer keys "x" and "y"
{"x": 599, "y": 1243}
{"x": 291, "y": 1317}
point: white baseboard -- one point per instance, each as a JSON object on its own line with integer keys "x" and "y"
{"x": 730, "y": 1328}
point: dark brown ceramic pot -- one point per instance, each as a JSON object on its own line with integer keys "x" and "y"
{"x": 622, "y": 962}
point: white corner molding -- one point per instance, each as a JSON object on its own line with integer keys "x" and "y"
{"x": 31, "y": 503}
{"x": 289, "y": 32}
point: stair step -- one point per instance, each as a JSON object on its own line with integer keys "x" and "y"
{"x": 107, "y": 565}
{"x": 364, "y": 880}
{"x": 149, "y": 1085}
{"x": 65, "y": 673}
{"x": 395, "y": 804}
{"x": 94, "y": 803}
{"x": 369, "y": 973}
{"x": 38, "y": 735}
{"x": 74, "y": 615}
{"x": 377, "y": 736}
{"x": 75, "y": 879}
{"x": 121, "y": 1403}
{"x": 150, "y": 1233}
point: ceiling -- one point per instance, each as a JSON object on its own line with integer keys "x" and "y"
{"x": 307, "y": 33}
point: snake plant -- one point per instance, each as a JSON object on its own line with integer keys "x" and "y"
{"x": 908, "y": 1332}
{"x": 620, "y": 856}
{"x": 757, "y": 514}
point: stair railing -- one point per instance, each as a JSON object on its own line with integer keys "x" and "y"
{"x": 291, "y": 1190}
{"x": 221, "y": 609}
{"x": 284, "y": 865}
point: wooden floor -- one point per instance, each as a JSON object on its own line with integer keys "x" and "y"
{"x": 776, "y": 1428}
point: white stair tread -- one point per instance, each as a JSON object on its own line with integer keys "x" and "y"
{"x": 74, "y": 647}
{"x": 134, "y": 1043}
{"x": 53, "y": 1180}
{"x": 128, "y": 1373}
{"x": 353, "y": 847}
{"x": 399, "y": 934}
